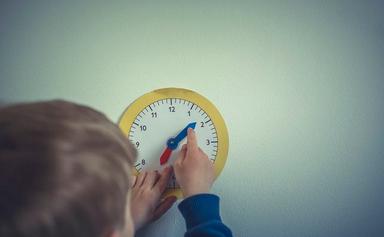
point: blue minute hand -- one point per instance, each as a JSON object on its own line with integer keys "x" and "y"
{"x": 174, "y": 142}
{"x": 179, "y": 137}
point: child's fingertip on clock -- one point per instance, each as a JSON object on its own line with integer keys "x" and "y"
{"x": 191, "y": 139}
{"x": 190, "y": 132}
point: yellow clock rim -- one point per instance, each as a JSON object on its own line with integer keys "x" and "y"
{"x": 129, "y": 115}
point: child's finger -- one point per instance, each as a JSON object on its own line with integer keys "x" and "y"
{"x": 163, "y": 207}
{"x": 150, "y": 179}
{"x": 191, "y": 140}
{"x": 133, "y": 181}
{"x": 140, "y": 179}
{"x": 164, "y": 178}
{"x": 157, "y": 177}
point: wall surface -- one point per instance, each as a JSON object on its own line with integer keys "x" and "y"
{"x": 300, "y": 85}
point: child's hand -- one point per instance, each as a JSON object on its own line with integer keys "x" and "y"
{"x": 147, "y": 189}
{"x": 193, "y": 169}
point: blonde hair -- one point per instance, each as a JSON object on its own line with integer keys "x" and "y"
{"x": 64, "y": 171}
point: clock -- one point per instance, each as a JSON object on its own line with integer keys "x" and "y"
{"x": 157, "y": 122}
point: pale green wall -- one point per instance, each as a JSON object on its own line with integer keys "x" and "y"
{"x": 300, "y": 85}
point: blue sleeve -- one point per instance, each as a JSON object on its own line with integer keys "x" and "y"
{"x": 202, "y": 216}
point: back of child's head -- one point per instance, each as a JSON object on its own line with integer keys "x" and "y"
{"x": 64, "y": 171}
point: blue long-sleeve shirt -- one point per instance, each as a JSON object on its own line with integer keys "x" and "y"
{"x": 202, "y": 216}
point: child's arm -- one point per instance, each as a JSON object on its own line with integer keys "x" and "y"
{"x": 201, "y": 214}
{"x": 195, "y": 174}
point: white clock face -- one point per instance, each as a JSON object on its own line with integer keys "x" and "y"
{"x": 164, "y": 119}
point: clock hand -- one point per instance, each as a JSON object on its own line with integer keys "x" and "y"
{"x": 179, "y": 137}
{"x": 165, "y": 156}
{"x": 172, "y": 143}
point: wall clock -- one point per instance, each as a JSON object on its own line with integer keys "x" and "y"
{"x": 157, "y": 122}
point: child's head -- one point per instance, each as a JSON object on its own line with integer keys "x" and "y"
{"x": 64, "y": 171}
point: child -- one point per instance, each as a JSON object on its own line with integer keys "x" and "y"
{"x": 65, "y": 171}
